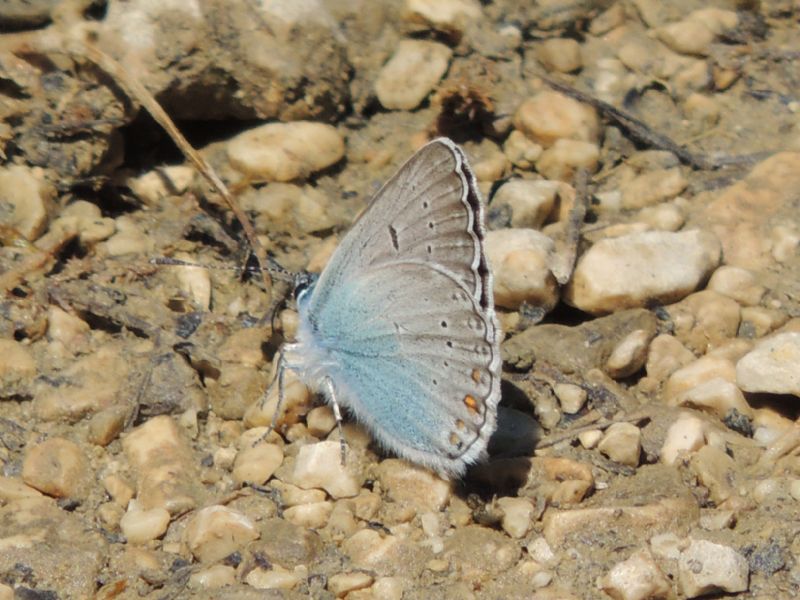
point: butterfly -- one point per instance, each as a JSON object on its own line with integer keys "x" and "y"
{"x": 399, "y": 328}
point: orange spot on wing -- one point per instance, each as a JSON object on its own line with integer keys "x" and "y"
{"x": 476, "y": 375}
{"x": 471, "y": 403}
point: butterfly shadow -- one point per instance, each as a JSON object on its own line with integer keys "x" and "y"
{"x": 510, "y": 448}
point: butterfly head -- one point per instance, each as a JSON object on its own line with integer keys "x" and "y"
{"x": 303, "y": 284}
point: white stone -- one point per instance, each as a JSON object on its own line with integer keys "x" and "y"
{"x": 279, "y": 206}
{"x": 216, "y": 531}
{"x": 194, "y": 282}
{"x": 257, "y": 464}
{"x": 24, "y": 200}
{"x": 622, "y": 443}
{"x": 518, "y": 515}
{"x": 662, "y": 217}
{"x": 700, "y": 371}
{"x": 737, "y": 283}
{"x": 520, "y": 260}
{"x": 521, "y": 151}
{"x": 687, "y": 37}
{"x": 320, "y": 466}
{"x": 214, "y": 577}
{"x": 342, "y": 584}
{"x": 590, "y": 439}
{"x": 716, "y": 396}
{"x": 633, "y": 270}
{"x": 276, "y": 577}
{"x": 571, "y": 397}
{"x": 561, "y": 160}
{"x": 285, "y": 151}
{"x": 562, "y": 55}
{"x": 638, "y": 578}
{"x": 313, "y": 516}
{"x": 445, "y": 15}
{"x": 141, "y": 526}
{"x": 320, "y": 421}
{"x": 629, "y": 355}
{"x": 549, "y": 116}
{"x": 411, "y": 73}
{"x": 705, "y": 567}
{"x": 652, "y": 187}
{"x": 773, "y": 366}
{"x": 530, "y": 202}
{"x": 414, "y": 486}
{"x": 684, "y": 436}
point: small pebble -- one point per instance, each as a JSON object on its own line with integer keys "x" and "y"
{"x": 520, "y": 262}
{"x": 687, "y": 37}
{"x": 65, "y": 328}
{"x": 562, "y": 55}
{"x": 666, "y": 355}
{"x": 702, "y": 109}
{"x": 255, "y": 465}
{"x": 343, "y": 583}
{"x": 561, "y": 160}
{"x": 622, "y": 443}
{"x": 128, "y": 239}
{"x": 716, "y": 396}
{"x": 285, "y": 151}
{"x": 153, "y": 186}
{"x": 313, "y": 515}
{"x": 368, "y": 549}
{"x": 738, "y": 284}
{"x": 414, "y": 486}
{"x": 320, "y": 421}
{"x": 549, "y": 116}
{"x": 571, "y": 397}
{"x": 590, "y": 439}
{"x": 450, "y": 16}
{"x": 637, "y": 269}
{"x": 663, "y": 217}
{"x": 57, "y": 467}
{"x": 216, "y": 531}
{"x": 716, "y": 519}
{"x": 758, "y": 321}
{"x": 684, "y": 436}
{"x": 530, "y": 202}
{"x": 700, "y": 371}
{"x": 785, "y": 241}
{"x": 705, "y": 567}
{"x": 629, "y": 355}
{"x": 652, "y": 188}
{"x": 638, "y": 578}
{"x": 26, "y": 200}
{"x": 411, "y": 73}
{"x": 715, "y": 470}
{"x": 213, "y": 577}
{"x": 119, "y": 489}
{"x": 320, "y": 466}
{"x": 773, "y": 366}
{"x": 140, "y": 526}
{"x": 276, "y": 578}
{"x": 521, "y": 151}
{"x": 518, "y": 516}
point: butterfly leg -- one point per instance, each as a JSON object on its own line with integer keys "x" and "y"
{"x": 281, "y": 368}
{"x": 330, "y": 393}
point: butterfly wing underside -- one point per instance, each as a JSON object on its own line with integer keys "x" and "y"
{"x": 404, "y": 313}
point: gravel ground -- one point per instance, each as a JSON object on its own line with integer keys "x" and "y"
{"x": 648, "y": 441}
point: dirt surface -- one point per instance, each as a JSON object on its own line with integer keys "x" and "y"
{"x": 129, "y": 391}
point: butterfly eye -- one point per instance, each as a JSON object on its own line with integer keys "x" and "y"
{"x": 303, "y": 283}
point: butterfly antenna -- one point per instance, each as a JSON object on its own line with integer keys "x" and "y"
{"x": 273, "y": 268}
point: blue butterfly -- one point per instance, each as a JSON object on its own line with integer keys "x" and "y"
{"x": 400, "y": 327}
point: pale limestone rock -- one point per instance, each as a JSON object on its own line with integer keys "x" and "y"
{"x": 411, "y": 73}
{"x": 521, "y": 151}
{"x": 652, "y": 187}
{"x": 414, "y": 486}
{"x": 668, "y": 216}
{"x": 684, "y": 436}
{"x": 530, "y": 202}
{"x": 702, "y": 370}
{"x": 312, "y": 516}
{"x": 665, "y": 356}
{"x": 320, "y": 466}
{"x": 562, "y": 55}
{"x": 737, "y": 283}
{"x": 706, "y": 567}
{"x": 716, "y": 396}
{"x": 638, "y": 578}
{"x": 213, "y": 577}
{"x": 24, "y": 200}
{"x": 342, "y": 584}
{"x": 636, "y": 269}
{"x": 216, "y": 531}
{"x": 518, "y": 515}
{"x": 276, "y": 577}
{"x": 520, "y": 261}
{"x": 715, "y": 470}
{"x": 687, "y": 37}
{"x": 561, "y": 160}
{"x": 285, "y": 151}
{"x": 773, "y": 366}
{"x": 59, "y": 468}
{"x": 256, "y": 464}
{"x": 549, "y": 116}
{"x": 629, "y": 355}
{"x": 320, "y": 421}
{"x": 622, "y": 443}
{"x": 452, "y": 16}
{"x": 571, "y": 397}
{"x": 141, "y": 526}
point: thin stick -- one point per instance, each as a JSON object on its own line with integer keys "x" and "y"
{"x": 136, "y": 90}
